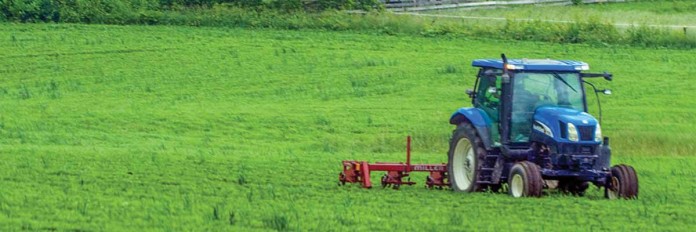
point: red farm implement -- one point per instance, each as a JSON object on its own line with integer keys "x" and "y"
{"x": 359, "y": 172}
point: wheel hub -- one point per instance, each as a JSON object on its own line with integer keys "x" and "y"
{"x": 517, "y": 185}
{"x": 463, "y": 170}
{"x": 613, "y": 189}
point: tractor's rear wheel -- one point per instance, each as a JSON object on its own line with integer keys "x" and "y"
{"x": 465, "y": 155}
{"x": 525, "y": 180}
{"x": 623, "y": 183}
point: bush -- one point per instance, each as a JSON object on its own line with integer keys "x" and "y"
{"x": 592, "y": 31}
{"x": 249, "y": 3}
{"x": 366, "y": 5}
{"x": 287, "y": 5}
{"x": 30, "y": 10}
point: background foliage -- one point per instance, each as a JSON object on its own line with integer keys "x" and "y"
{"x": 91, "y": 10}
{"x": 322, "y": 14}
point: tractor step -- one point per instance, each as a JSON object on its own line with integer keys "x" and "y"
{"x": 491, "y": 170}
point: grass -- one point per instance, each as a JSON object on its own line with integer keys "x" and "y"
{"x": 676, "y": 12}
{"x": 185, "y": 128}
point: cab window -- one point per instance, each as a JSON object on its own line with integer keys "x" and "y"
{"x": 488, "y": 98}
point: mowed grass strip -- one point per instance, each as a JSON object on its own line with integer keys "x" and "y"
{"x": 674, "y": 13}
{"x": 183, "y": 128}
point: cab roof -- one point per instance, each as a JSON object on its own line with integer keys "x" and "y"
{"x": 534, "y": 64}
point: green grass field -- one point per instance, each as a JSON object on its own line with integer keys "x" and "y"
{"x": 670, "y": 12}
{"x": 183, "y": 128}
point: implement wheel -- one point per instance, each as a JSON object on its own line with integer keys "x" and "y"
{"x": 623, "y": 183}
{"x": 465, "y": 155}
{"x": 525, "y": 180}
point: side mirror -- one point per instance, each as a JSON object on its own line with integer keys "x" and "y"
{"x": 470, "y": 92}
{"x": 604, "y": 91}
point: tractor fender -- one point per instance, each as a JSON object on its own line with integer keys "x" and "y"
{"x": 479, "y": 119}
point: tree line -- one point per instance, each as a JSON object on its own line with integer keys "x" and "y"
{"x": 92, "y": 10}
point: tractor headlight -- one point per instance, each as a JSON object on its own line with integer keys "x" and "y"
{"x": 543, "y": 128}
{"x": 573, "y": 133}
{"x": 598, "y": 133}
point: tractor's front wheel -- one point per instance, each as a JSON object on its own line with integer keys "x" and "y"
{"x": 525, "y": 180}
{"x": 465, "y": 154}
{"x": 623, "y": 183}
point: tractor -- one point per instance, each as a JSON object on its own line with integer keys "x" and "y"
{"x": 529, "y": 129}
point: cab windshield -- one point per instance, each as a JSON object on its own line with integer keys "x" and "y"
{"x": 532, "y": 90}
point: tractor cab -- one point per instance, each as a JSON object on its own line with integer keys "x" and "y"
{"x": 546, "y": 96}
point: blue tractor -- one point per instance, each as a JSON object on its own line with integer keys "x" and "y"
{"x": 529, "y": 129}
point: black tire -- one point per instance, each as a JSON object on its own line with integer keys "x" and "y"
{"x": 341, "y": 179}
{"x": 466, "y": 153}
{"x": 525, "y": 180}
{"x": 623, "y": 183}
{"x": 634, "y": 187}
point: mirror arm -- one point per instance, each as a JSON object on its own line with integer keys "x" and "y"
{"x": 607, "y": 76}
{"x": 599, "y": 104}
{"x": 471, "y": 93}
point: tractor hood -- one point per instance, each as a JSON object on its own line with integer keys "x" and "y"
{"x": 555, "y": 122}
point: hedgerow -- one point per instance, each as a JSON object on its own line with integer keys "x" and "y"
{"x": 327, "y": 15}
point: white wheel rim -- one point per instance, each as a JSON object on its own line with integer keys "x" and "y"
{"x": 517, "y": 185}
{"x": 613, "y": 192}
{"x": 463, "y": 163}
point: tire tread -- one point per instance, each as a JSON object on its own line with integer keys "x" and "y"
{"x": 533, "y": 182}
{"x": 628, "y": 181}
{"x": 465, "y": 129}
